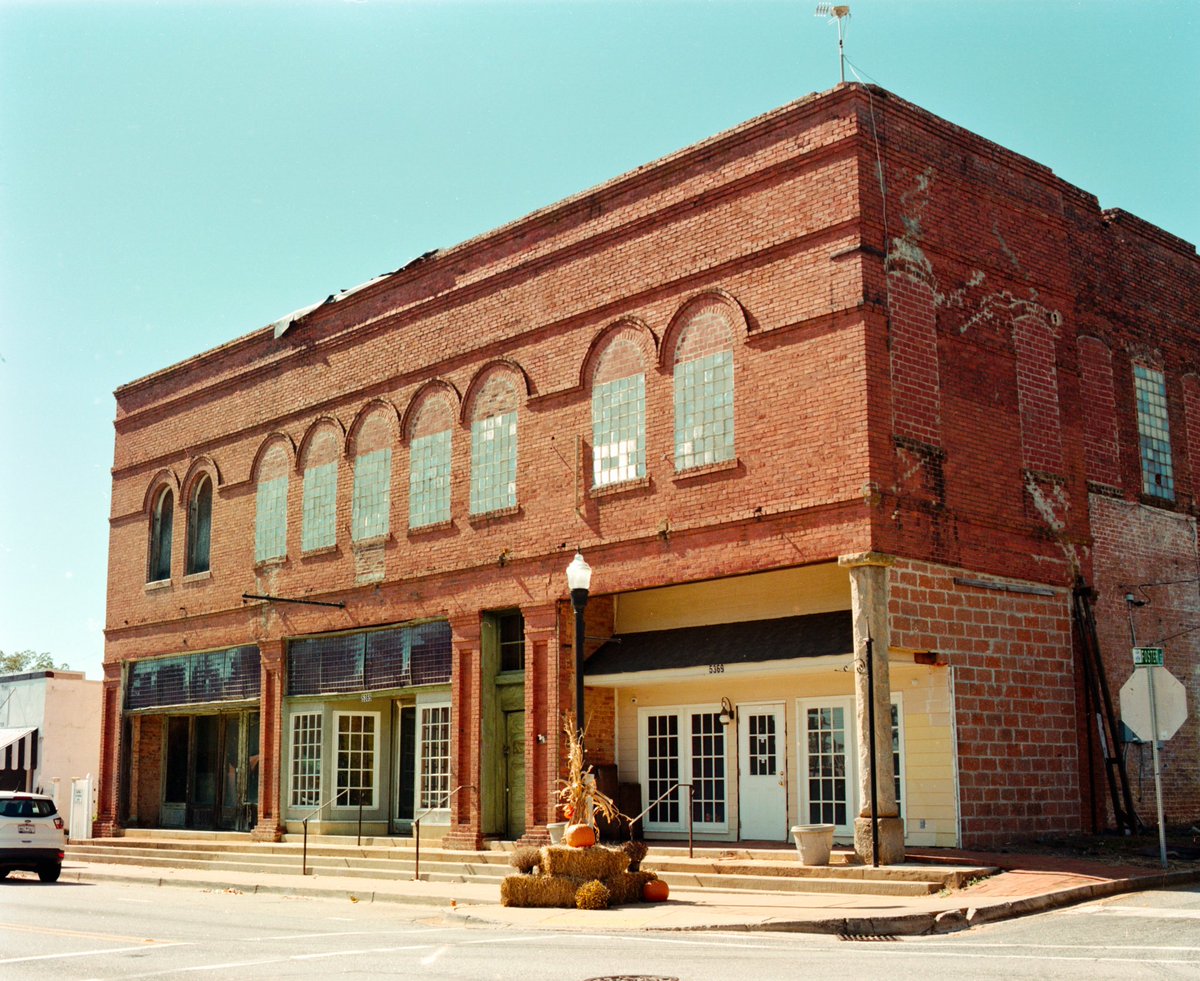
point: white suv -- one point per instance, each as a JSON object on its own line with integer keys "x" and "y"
{"x": 32, "y": 837}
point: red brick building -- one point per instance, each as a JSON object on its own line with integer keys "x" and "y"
{"x": 780, "y": 405}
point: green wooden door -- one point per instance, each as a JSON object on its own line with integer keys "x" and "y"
{"x": 514, "y": 774}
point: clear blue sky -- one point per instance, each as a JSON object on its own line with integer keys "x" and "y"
{"x": 174, "y": 175}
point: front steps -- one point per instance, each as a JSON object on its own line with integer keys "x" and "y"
{"x": 716, "y": 867}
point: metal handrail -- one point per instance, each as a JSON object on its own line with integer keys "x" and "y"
{"x": 424, "y": 814}
{"x": 318, "y": 810}
{"x": 661, "y": 797}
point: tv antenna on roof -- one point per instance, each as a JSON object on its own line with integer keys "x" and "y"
{"x": 838, "y": 12}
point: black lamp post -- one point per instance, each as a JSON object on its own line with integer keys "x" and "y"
{"x": 579, "y": 580}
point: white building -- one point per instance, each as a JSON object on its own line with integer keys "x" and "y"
{"x": 49, "y": 732}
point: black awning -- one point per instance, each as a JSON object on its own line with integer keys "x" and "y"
{"x": 815, "y": 635}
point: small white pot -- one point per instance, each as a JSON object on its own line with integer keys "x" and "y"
{"x": 814, "y": 842}
{"x": 556, "y": 829}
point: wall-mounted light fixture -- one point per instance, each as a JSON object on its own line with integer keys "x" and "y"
{"x": 727, "y": 714}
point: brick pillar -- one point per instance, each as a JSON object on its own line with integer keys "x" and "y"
{"x": 466, "y": 736}
{"x": 106, "y": 824}
{"x": 270, "y": 743}
{"x": 868, "y": 604}
{"x": 543, "y": 724}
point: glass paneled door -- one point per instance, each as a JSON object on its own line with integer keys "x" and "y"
{"x": 762, "y": 773}
{"x": 826, "y": 784}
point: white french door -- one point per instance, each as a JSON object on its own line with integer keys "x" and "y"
{"x": 827, "y": 782}
{"x": 762, "y": 772}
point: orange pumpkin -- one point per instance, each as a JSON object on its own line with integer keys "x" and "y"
{"x": 579, "y": 836}
{"x": 655, "y": 891}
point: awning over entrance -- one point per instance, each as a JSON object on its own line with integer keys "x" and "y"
{"x": 18, "y": 748}
{"x": 753, "y": 641}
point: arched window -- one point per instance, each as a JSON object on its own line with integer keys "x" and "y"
{"x": 494, "y": 446}
{"x": 270, "y": 516}
{"x": 704, "y": 388}
{"x": 372, "y": 502}
{"x": 429, "y": 461}
{"x": 319, "y": 529}
{"x": 619, "y": 414}
{"x": 162, "y": 517}
{"x": 199, "y": 530}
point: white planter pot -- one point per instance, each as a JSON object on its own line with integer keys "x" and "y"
{"x": 814, "y": 842}
{"x": 556, "y": 829}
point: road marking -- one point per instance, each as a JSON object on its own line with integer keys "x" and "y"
{"x": 84, "y": 953}
{"x": 930, "y": 942}
{"x": 55, "y": 932}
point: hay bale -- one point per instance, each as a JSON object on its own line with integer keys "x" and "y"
{"x": 598, "y": 862}
{"x": 538, "y": 891}
{"x": 626, "y": 887}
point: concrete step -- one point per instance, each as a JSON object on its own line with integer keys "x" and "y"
{"x": 757, "y": 870}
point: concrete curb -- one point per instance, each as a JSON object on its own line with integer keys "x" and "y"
{"x": 475, "y": 911}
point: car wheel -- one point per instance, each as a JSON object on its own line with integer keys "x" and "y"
{"x": 49, "y": 873}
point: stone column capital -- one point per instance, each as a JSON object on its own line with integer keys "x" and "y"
{"x": 858, "y": 559}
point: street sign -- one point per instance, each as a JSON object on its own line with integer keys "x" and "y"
{"x": 1148, "y": 656}
{"x": 1170, "y": 699}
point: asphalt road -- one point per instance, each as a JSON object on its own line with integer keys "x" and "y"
{"x": 102, "y": 931}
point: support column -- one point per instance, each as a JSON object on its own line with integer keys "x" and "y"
{"x": 869, "y": 608}
{"x": 270, "y": 743}
{"x": 106, "y": 824}
{"x": 543, "y": 724}
{"x": 466, "y": 734}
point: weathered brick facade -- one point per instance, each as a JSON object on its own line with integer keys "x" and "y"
{"x": 940, "y": 374}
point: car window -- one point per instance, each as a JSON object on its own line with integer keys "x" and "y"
{"x": 26, "y": 808}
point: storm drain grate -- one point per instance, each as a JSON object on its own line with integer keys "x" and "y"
{"x": 869, "y": 937}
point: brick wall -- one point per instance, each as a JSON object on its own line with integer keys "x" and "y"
{"x": 1013, "y": 702}
{"x": 1136, "y": 544}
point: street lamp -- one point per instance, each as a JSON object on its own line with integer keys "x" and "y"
{"x": 579, "y": 580}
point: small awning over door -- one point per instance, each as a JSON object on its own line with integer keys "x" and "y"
{"x": 18, "y": 748}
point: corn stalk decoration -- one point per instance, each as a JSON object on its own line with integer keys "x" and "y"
{"x": 579, "y": 797}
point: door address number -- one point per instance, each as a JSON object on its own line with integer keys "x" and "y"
{"x": 716, "y": 669}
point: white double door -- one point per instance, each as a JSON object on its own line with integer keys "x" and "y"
{"x": 762, "y": 772}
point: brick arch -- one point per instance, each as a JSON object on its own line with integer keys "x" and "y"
{"x": 435, "y": 407}
{"x": 374, "y": 428}
{"x": 273, "y": 458}
{"x": 616, "y": 350}
{"x": 200, "y": 466}
{"x": 164, "y": 478}
{"x": 499, "y": 386}
{"x": 704, "y": 324}
{"x": 322, "y": 443}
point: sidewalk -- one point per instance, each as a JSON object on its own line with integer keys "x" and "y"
{"x": 1029, "y": 884}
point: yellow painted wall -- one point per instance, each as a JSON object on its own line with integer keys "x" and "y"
{"x": 928, "y": 745}
{"x": 768, "y": 596}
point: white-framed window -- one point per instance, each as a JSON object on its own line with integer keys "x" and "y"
{"x": 371, "y": 509}
{"x": 619, "y": 430}
{"x": 429, "y": 480}
{"x": 356, "y": 758}
{"x": 704, "y": 410}
{"x": 898, "y": 749}
{"x": 162, "y": 519}
{"x": 306, "y": 760}
{"x": 494, "y": 463}
{"x": 320, "y": 507}
{"x": 270, "y": 519}
{"x": 433, "y": 759}
{"x": 828, "y": 750}
{"x": 682, "y": 745}
{"x": 1154, "y": 433}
